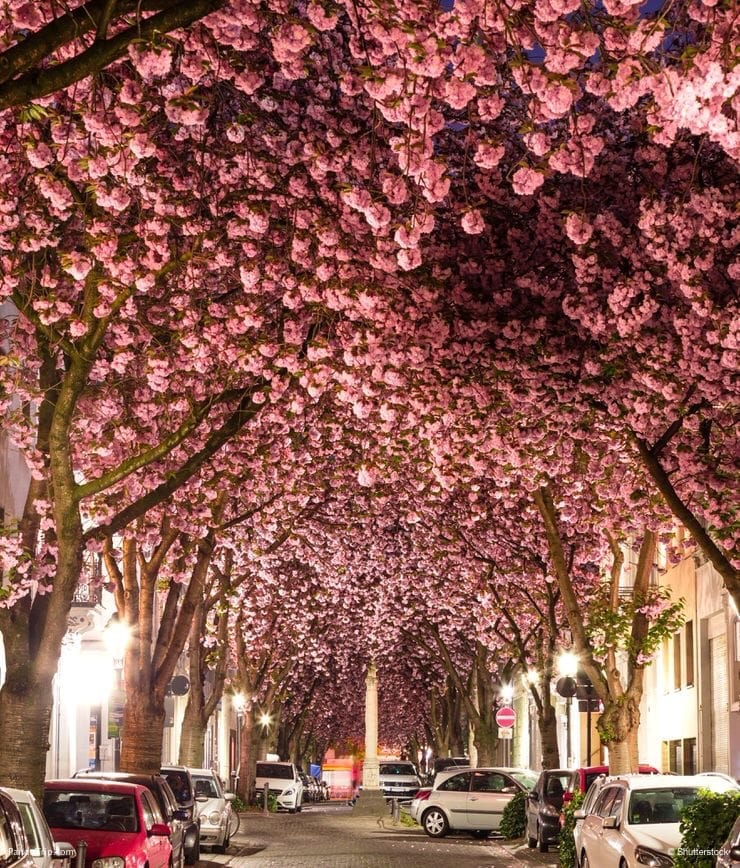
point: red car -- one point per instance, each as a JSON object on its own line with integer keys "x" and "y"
{"x": 121, "y": 823}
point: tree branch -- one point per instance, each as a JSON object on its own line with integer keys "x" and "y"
{"x": 34, "y": 83}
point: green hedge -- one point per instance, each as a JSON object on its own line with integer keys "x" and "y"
{"x": 705, "y": 824}
{"x": 567, "y": 849}
{"x": 513, "y": 821}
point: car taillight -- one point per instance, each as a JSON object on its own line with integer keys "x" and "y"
{"x": 567, "y": 796}
{"x": 423, "y": 795}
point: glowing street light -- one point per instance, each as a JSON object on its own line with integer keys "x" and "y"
{"x": 568, "y": 664}
{"x": 566, "y": 687}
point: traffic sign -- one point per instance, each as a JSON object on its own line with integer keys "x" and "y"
{"x": 505, "y": 716}
{"x": 505, "y": 732}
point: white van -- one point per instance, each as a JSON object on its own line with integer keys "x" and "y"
{"x": 283, "y": 780}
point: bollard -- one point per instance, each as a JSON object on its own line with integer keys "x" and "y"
{"x": 396, "y": 811}
{"x": 81, "y": 853}
{"x": 265, "y": 804}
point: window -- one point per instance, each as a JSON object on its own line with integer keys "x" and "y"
{"x": 677, "y": 661}
{"x": 689, "y": 756}
{"x": 488, "y": 782}
{"x": 31, "y": 829}
{"x": 689, "y": 628}
{"x": 606, "y": 800}
{"x": 666, "y": 665}
{"x": 456, "y": 784}
{"x": 6, "y": 841}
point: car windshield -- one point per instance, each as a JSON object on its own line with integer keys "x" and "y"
{"x": 104, "y": 812}
{"x": 274, "y": 770}
{"x": 659, "y": 805}
{"x": 206, "y": 786}
{"x": 397, "y": 769}
{"x": 180, "y": 786}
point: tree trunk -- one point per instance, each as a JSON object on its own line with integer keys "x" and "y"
{"x": 548, "y": 725}
{"x": 616, "y": 725}
{"x": 25, "y": 713}
{"x": 192, "y": 737}
{"x": 486, "y": 742}
{"x": 143, "y": 729}
{"x": 245, "y": 788}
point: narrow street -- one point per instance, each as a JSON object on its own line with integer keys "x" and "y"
{"x": 328, "y": 835}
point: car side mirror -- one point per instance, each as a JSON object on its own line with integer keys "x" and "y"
{"x": 534, "y": 795}
{"x": 63, "y": 850}
{"x": 609, "y": 823}
{"x": 579, "y": 814}
{"x": 229, "y": 796}
{"x": 159, "y": 830}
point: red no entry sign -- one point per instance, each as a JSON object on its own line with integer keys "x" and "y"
{"x": 505, "y": 716}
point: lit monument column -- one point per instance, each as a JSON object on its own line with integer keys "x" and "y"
{"x": 370, "y": 768}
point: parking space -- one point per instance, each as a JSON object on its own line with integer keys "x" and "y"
{"x": 328, "y": 835}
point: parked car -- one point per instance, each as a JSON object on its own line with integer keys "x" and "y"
{"x": 120, "y": 823}
{"x": 181, "y": 784}
{"x": 45, "y": 852}
{"x": 398, "y": 779}
{"x": 554, "y": 788}
{"x": 446, "y": 762}
{"x": 175, "y": 816}
{"x": 634, "y": 820}
{"x": 471, "y": 800}
{"x": 729, "y": 852}
{"x": 214, "y": 808}
{"x": 283, "y": 780}
{"x": 15, "y": 847}
{"x": 719, "y": 782}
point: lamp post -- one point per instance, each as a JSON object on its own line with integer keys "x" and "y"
{"x": 116, "y": 635}
{"x": 507, "y": 694}
{"x": 566, "y": 687}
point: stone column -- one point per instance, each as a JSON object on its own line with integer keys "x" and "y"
{"x": 370, "y": 779}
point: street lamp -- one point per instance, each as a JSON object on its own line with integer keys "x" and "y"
{"x": 116, "y": 635}
{"x": 566, "y": 686}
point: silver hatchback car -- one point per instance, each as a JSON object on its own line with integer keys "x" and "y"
{"x": 469, "y": 800}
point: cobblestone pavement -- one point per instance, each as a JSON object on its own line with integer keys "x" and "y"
{"x": 328, "y": 836}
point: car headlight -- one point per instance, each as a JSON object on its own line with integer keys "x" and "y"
{"x": 646, "y": 856}
{"x": 214, "y": 818}
{"x": 289, "y": 792}
{"x": 109, "y": 862}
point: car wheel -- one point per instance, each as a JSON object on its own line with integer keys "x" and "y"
{"x": 531, "y": 842}
{"x": 542, "y": 846}
{"x": 435, "y": 823}
{"x": 481, "y": 834}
